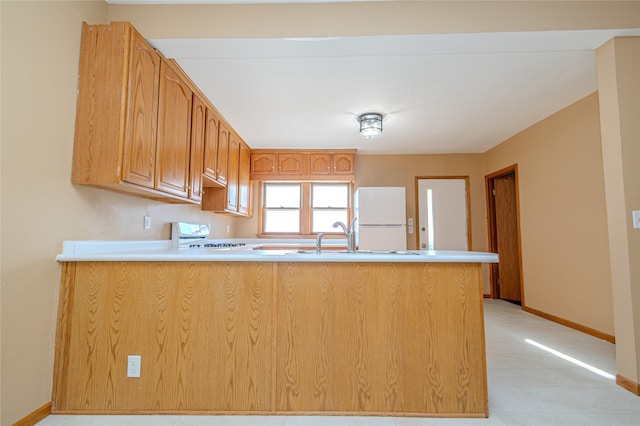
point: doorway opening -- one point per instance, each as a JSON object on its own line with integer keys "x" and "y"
{"x": 443, "y": 216}
{"x": 503, "y": 216}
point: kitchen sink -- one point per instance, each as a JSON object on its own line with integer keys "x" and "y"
{"x": 356, "y": 252}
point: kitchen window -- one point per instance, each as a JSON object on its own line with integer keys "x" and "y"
{"x": 282, "y": 207}
{"x": 304, "y": 208}
{"x": 329, "y": 204}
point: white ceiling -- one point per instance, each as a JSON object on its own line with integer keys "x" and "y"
{"x": 454, "y": 93}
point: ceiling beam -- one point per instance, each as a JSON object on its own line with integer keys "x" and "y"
{"x": 373, "y": 18}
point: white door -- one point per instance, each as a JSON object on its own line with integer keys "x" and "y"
{"x": 443, "y": 213}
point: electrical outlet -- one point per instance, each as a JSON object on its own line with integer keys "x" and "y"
{"x": 228, "y": 228}
{"x": 410, "y": 223}
{"x": 133, "y": 365}
{"x": 411, "y": 229}
{"x": 147, "y": 223}
{"x": 636, "y": 218}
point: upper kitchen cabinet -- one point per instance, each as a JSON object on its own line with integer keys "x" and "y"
{"x": 281, "y": 163}
{"x": 344, "y": 164}
{"x": 223, "y": 154}
{"x": 235, "y": 198}
{"x": 334, "y": 164}
{"x": 142, "y": 126}
{"x": 290, "y": 163}
{"x": 138, "y": 163}
{"x": 232, "y": 178}
{"x": 216, "y": 150}
{"x": 198, "y": 127}
{"x": 117, "y": 109}
{"x": 303, "y": 164}
{"x": 263, "y": 164}
{"x": 320, "y": 164}
{"x": 174, "y": 133}
{"x": 244, "y": 181}
{"x": 133, "y": 119}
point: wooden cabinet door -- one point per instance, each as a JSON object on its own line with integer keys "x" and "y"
{"x": 222, "y": 163}
{"x": 263, "y": 164}
{"x": 290, "y": 164}
{"x": 198, "y": 117}
{"x": 139, "y": 150}
{"x": 244, "y": 183}
{"x": 232, "y": 175}
{"x": 343, "y": 164}
{"x": 210, "y": 168}
{"x": 174, "y": 133}
{"x": 320, "y": 164}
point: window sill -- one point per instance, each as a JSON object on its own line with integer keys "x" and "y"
{"x": 326, "y": 236}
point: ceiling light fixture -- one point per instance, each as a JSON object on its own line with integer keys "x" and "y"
{"x": 370, "y": 125}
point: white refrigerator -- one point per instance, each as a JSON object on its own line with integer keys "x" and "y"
{"x": 381, "y": 216}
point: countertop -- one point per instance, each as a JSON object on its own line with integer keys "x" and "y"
{"x": 161, "y": 250}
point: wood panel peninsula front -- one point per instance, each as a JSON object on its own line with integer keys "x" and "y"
{"x": 272, "y": 332}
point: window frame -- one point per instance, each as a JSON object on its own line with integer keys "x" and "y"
{"x": 264, "y": 209}
{"x": 306, "y": 210}
{"x": 313, "y": 209}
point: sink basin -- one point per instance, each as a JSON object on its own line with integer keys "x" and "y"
{"x": 356, "y": 252}
{"x": 323, "y": 252}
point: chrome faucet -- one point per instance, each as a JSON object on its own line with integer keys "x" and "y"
{"x": 319, "y": 242}
{"x": 349, "y": 233}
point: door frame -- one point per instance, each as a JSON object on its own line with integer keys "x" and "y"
{"x": 468, "y": 200}
{"x": 492, "y": 239}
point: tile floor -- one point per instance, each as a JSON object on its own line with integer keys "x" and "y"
{"x": 527, "y": 385}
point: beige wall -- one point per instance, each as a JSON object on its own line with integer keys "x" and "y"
{"x": 40, "y": 51}
{"x": 563, "y": 219}
{"x": 1, "y": 280}
{"x": 619, "y": 81}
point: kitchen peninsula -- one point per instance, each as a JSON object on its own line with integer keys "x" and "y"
{"x": 270, "y": 331}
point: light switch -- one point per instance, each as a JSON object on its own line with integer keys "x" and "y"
{"x": 636, "y": 218}
{"x": 410, "y": 223}
{"x": 411, "y": 229}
